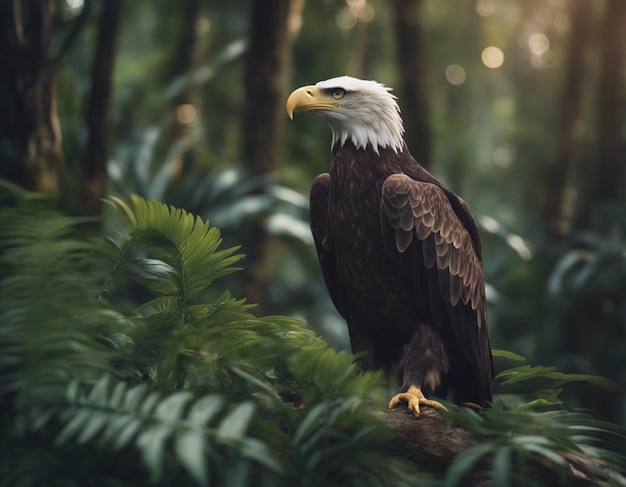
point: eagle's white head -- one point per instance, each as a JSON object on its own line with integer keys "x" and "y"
{"x": 364, "y": 112}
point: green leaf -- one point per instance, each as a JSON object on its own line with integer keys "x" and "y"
{"x": 95, "y": 424}
{"x": 465, "y": 462}
{"x": 78, "y": 421}
{"x": 523, "y": 440}
{"x": 152, "y": 442}
{"x": 549, "y": 454}
{"x": 254, "y": 381}
{"x": 150, "y": 402}
{"x": 121, "y": 430}
{"x": 259, "y": 451}
{"x": 236, "y": 423}
{"x": 204, "y": 409}
{"x": 549, "y": 375}
{"x": 190, "y": 448}
{"x": 117, "y": 397}
{"x": 134, "y": 395}
{"x": 171, "y": 408}
{"x": 123, "y": 212}
{"x": 501, "y": 467}
{"x": 506, "y": 354}
{"x": 309, "y": 423}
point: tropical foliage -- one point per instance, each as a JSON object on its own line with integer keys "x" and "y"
{"x": 533, "y": 425}
{"x": 123, "y": 364}
{"x": 520, "y": 105}
{"x": 203, "y": 392}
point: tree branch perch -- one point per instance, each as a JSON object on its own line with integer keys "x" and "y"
{"x": 432, "y": 443}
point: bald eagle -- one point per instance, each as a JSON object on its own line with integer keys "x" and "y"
{"x": 400, "y": 253}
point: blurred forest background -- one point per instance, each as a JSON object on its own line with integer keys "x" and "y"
{"x": 519, "y": 106}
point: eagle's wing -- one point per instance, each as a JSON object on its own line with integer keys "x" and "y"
{"x": 420, "y": 221}
{"x": 324, "y": 241}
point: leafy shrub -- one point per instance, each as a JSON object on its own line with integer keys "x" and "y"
{"x": 100, "y": 391}
{"x": 529, "y": 425}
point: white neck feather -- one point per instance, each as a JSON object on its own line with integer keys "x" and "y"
{"x": 369, "y": 115}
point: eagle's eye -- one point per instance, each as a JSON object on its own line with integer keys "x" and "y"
{"x": 338, "y": 93}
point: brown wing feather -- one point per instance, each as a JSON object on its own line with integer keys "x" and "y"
{"x": 323, "y": 240}
{"x": 421, "y": 217}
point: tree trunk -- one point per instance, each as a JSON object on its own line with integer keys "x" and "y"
{"x": 265, "y": 83}
{"x": 558, "y": 209}
{"x": 184, "y": 109}
{"x": 265, "y": 89}
{"x": 413, "y": 90}
{"x": 185, "y": 54}
{"x": 612, "y": 107}
{"x": 29, "y": 124}
{"x": 94, "y": 180}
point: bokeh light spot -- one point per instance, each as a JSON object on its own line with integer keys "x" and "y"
{"x": 485, "y": 8}
{"x": 455, "y": 74}
{"x": 345, "y": 19}
{"x": 186, "y": 114}
{"x": 538, "y": 44}
{"x": 355, "y": 11}
{"x": 492, "y": 57}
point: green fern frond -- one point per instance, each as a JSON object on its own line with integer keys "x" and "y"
{"x": 199, "y": 431}
{"x": 52, "y": 325}
{"x": 516, "y": 437}
{"x": 521, "y": 428}
{"x": 549, "y": 375}
{"x": 184, "y": 247}
{"x": 221, "y": 346}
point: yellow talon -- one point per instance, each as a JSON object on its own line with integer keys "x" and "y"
{"x": 414, "y": 397}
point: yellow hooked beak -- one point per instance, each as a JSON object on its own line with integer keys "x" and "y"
{"x": 309, "y": 98}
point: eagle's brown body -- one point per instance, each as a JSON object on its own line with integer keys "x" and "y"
{"x": 384, "y": 294}
{"x": 399, "y": 252}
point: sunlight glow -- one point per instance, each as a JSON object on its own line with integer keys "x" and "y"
{"x": 455, "y": 74}
{"x": 492, "y": 57}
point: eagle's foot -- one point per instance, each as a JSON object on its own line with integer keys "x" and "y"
{"x": 414, "y": 397}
